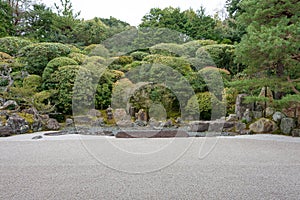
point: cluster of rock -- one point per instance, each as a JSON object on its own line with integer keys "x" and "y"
{"x": 267, "y": 120}
{"x": 14, "y": 121}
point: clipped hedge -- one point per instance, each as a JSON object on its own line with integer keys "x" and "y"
{"x": 11, "y": 45}
{"x": 37, "y": 56}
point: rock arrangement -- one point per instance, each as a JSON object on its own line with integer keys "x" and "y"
{"x": 13, "y": 121}
{"x": 248, "y": 119}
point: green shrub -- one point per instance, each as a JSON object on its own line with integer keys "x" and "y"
{"x": 123, "y": 60}
{"x": 37, "y": 56}
{"x": 54, "y": 64}
{"x": 177, "y": 63}
{"x": 221, "y": 54}
{"x": 78, "y": 57}
{"x": 12, "y": 45}
{"x": 139, "y": 55}
{"x": 191, "y": 47}
{"x": 202, "y": 104}
{"x": 97, "y": 50}
{"x": 167, "y": 49}
{"x": 32, "y": 82}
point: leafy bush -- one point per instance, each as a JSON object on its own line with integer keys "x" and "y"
{"x": 37, "y": 56}
{"x": 139, "y": 55}
{"x": 97, "y": 50}
{"x": 179, "y": 64}
{"x": 78, "y": 57}
{"x": 33, "y": 82}
{"x": 54, "y": 64}
{"x": 202, "y": 104}
{"x": 221, "y": 54}
{"x": 12, "y": 45}
{"x": 167, "y": 49}
{"x": 191, "y": 47}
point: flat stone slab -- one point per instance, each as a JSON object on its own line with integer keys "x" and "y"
{"x": 152, "y": 134}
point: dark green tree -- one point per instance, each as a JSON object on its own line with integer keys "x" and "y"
{"x": 271, "y": 45}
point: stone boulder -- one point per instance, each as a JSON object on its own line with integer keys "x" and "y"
{"x": 37, "y": 126}
{"x": 198, "y": 126}
{"x": 5, "y": 131}
{"x": 18, "y": 124}
{"x": 125, "y": 123}
{"x": 52, "y": 124}
{"x": 99, "y": 122}
{"x": 241, "y": 107}
{"x": 69, "y": 122}
{"x": 94, "y": 113}
{"x": 232, "y": 118}
{"x": 266, "y": 92}
{"x": 263, "y": 125}
{"x": 247, "y": 116}
{"x": 287, "y": 125}
{"x": 121, "y": 115}
{"x": 83, "y": 120}
{"x": 142, "y": 115}
{"x": 296, "y": 133}
{"x": 240, "y": 127}
{"x": 269, "y": 111}
{"x": 278, "y": 116}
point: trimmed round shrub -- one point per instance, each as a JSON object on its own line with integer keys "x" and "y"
{"x": 191, "y": 47}
{"x": 32, "y": 82}
{"x": 167, "y": 49}
{"x": 37, "y": 56}
{"x": 139, "y": 55}
{"x": 97, "y": 50}
{"x": 54, "y": 64}
{"x": 78, "y": 57}
{"x": 177, "y": 63}
{"x": 12, "y": 45}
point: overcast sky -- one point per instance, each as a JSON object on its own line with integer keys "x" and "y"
{"x": 132, "y": 11}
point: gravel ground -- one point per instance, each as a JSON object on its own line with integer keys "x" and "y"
{"x": 94, "y": 167}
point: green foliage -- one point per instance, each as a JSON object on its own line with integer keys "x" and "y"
{"x": 179, "y": 64}
{"x": 37, "y": 56}
{"x": 222, "y": 56}
{"x": 6, "y": 19}
{"x": 270, "y": 46}
{"x": 54, "y": 64}
{"x": 97, "y": 50}
{"x": 12, "y": 45}
{"x": 202, "y": 103}
{"x": 90, "y": 32}
{"x": 191, "y": 47}
{"x": 167, "y": 49}
{"x": 33, "y": 82}
{"x": 139, "y": 55}
{"x": 78, "y": 57}
{"x": 63, "y": 82}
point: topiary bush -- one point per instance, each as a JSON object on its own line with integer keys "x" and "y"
{"x": 11, "y": 45}
{"x": 139, "y": 55}
{"x": 191, "y": 47}
{"x": 178, "y": 63}
{"x": 37, "y": 56}
{"x": 78, "y": 57}
{"x": 167, "y": 49}
{"x": 33, "y": 82}
{"x": 54, "y": 64}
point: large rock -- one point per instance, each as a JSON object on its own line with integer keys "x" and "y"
{"x": 263, "y": 125}
{"x": 247, "y": 116}
{"x": 52, "y": 124}
{"x": 241, "y": 107}
{"x": 278, "y": 116}
{"x": 83, "y": 120}
{"x": 269, "y": 111}
{"x": 296, "y": 133}
{"x": 37, "y": 126}
{"x": 240, "y": 127}
{"x": 232, "y": 118}
{"x": 266, "y": 92}
{"x": 198, "y": 126}
{"x": 125, "y": 123}
{"x": 152, "y": 134}
{"x": 287, "y": 125}
{"x": 18, "y": 124}
{"x": 121, "y": 115}
{"x": 257, "y": 114}
{"x": 142, "y": 115}
{"x": 69, "y": 122}
{"x": 94, "y": 113}
{"x": 5, "y": 131}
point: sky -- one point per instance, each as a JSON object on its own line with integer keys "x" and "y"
{"x": 132, "y": 11}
